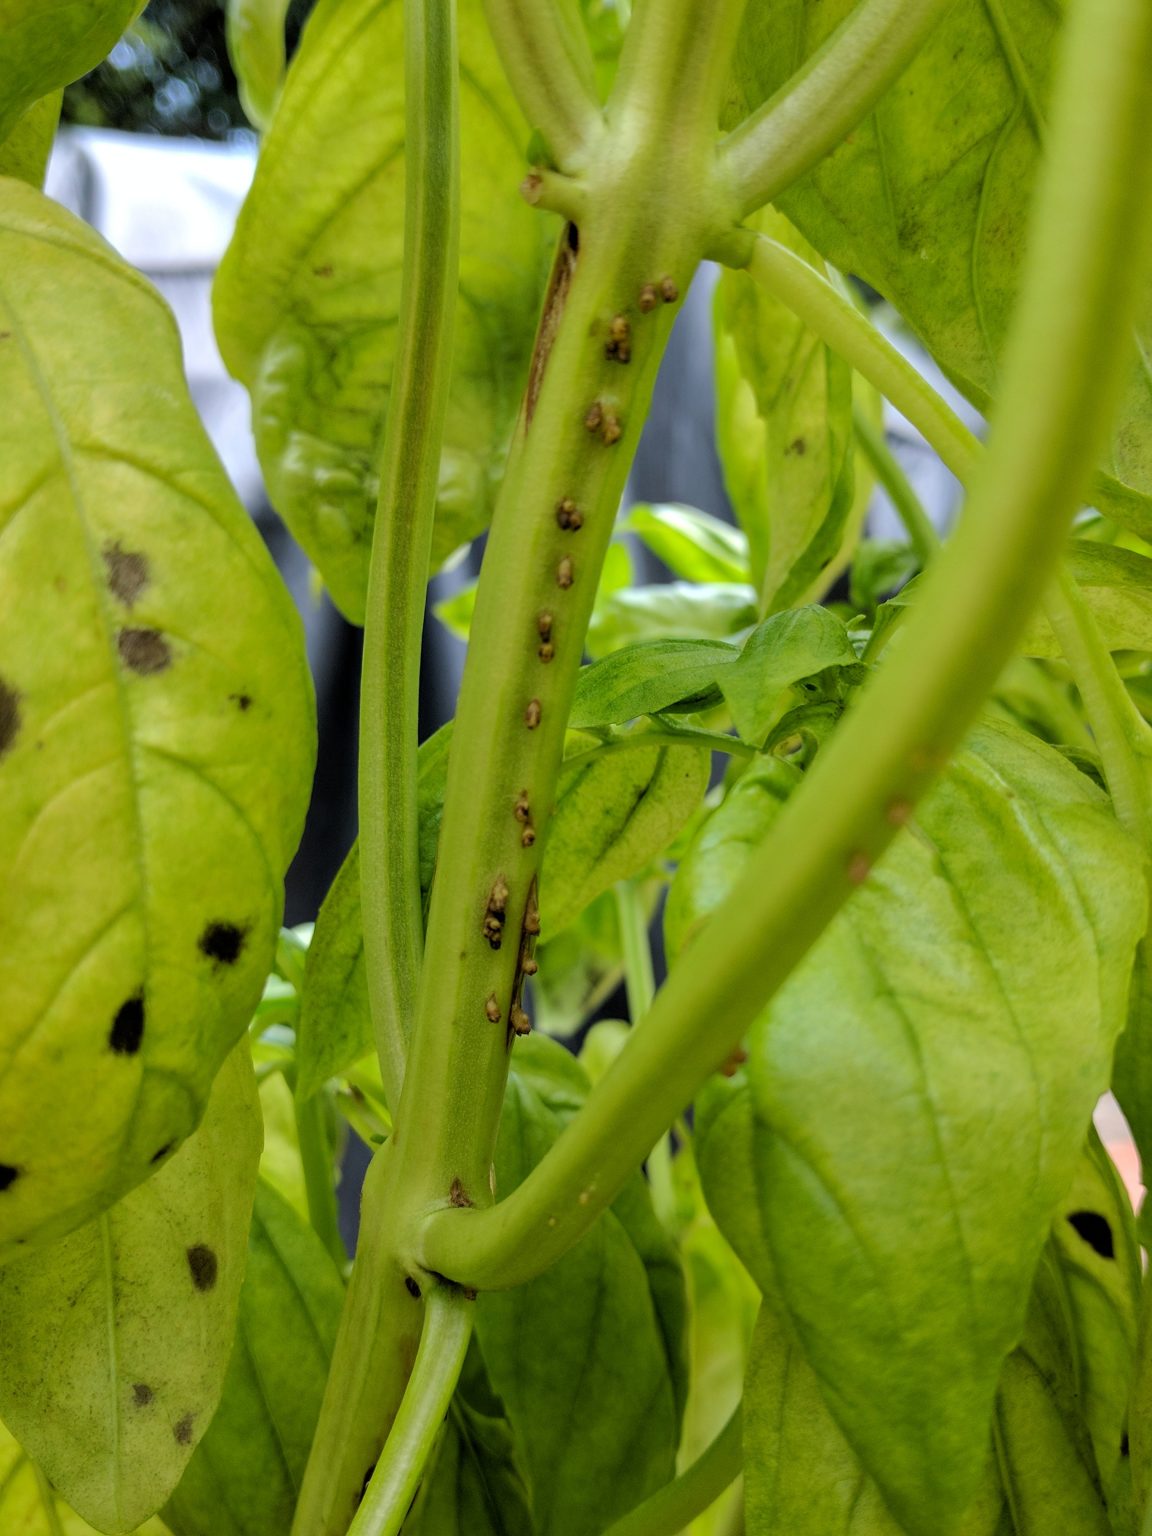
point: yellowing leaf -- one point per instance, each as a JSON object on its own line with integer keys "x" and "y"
{"x": 306, "y": 316}
{"x": 114, "y": 1342}
{"x": 156, "y": 733}
{"x": 30, "y": 1507}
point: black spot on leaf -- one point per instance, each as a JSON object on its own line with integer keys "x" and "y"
{"x": 1095, "y": 1231}
{"x": 242, "y": 701}
{"x": 128, "y": 1027}
{"x": 162, "y": 1152}
{"x": 144, "y": 651}
{"x": 204, "y": 1267}
{"x": 8, "y": 1176}
{"x": 9, "y": 716}
{"x": 126, "y": 572}
{"x": 1124, "y": 1443}
{"x": 142, "y": 1395}
{"x": 182, "y": 1430}
{"x": 222, "y": 942}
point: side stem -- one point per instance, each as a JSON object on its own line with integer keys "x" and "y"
{"x": 400, "y": 1470}
{"x": 402, "y": 540}
{"x": 1062, "y": 374}
{"x": 826, "y": 98}
{"x": 552, "y": 74}
{"x": 671, "y": 1509}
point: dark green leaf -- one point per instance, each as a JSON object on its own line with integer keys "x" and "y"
{"x": 588, "y": 1358}
{"x": 335, "y": 1020}
{"x": 785, "y": 650}
{"x": 114, "y": 1343}
{"x": 158, "y": 732}
{"x": 307, "y": 319}
{"x": 646, "y": 678}
{"x": 246, "y": 1473}
{"x": 784, "y": 430}
{"x": 692, "y": 544}
{"x": 915, "y": 1106}
{"x": 474, "y": 1486}
{"x": 928, "y": 199}
{"x": 881, "y": 567}
{"x": 613, "y": 816}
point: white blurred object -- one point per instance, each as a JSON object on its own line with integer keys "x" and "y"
{"x": 169, "y": 207}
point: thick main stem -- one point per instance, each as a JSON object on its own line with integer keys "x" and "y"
{"x": 651, "y": 212}
{"x": 1061, "y": 378}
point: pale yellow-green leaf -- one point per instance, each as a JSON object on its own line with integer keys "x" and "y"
{"x": 24, "y": 153}
{"x": 156, "y": 733}
{"x": 45, "y": 44}
{"x": 280, "y": 1162}
{"x": 114, "y": 1343}
{"x": 30, "y": 1507}
{"x": 307, "y": 295}
{"x": 256, "y": 46}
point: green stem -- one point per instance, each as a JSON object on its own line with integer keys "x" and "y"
{"x": 319, "y": 1179}
{"x": 837, "y": 321}
{"x": 552, "y": 74}
{"x": 827, "y": 97}
{"x": 1061, "y": 377}
{"x": 674, "y": 1507}
{"x": 917, "y": 524}
{"x": 650, "y": 213}
{"x": 439, "y": 1361}
{"x": 640, "y": 984}
{"x": 402, "y": 539}
{"x": 1122, "y": 737}
{"x": 639, "y": 977}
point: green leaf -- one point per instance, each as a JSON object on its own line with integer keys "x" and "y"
{"x": 614, "y": 815}
{"x": 114, "y": 1343}
{"x": 1095, "y": 1249}
{"x": 928, "y": 200}
{"x": 157, "y": 733}
{"x": 801, "y": 1476}
{"x": 692, "y": 544}
{"x": 1117, "y": 588}
{"x": 784, "y": 431}
{"x": 721, "y": 848}
{"x": 280, "y": 1163}
{"x": 306, "y": 297}
{"x": 1042, "y": 1446}
{"x": 915, "y": 1106}
{"x": 256, "y": 49}
{"x": 588, "y": 1357}
{"x": 674, "y": 610}
{"x": 24, "y": 153}
{"x": 580, "y": 968}
{"x": 335, "y": 1018}
{"x": 785, "y": 650}
{"x": 474, "y": 1486}
{"x": 30, "y": 1507}
{"x": 646, "y": 678}
{"x": 246, "y": 1473}
{"x": 48, "y": 46}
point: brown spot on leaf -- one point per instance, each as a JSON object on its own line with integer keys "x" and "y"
{"x": 144, "y": 651}
{"x": 797, "y": 446}
{"x": 182, "y": 1429}
{"x": 126, "y": 571}
{"x": 203, "y": 1267}
{"x": 128, "y": 1027}
{"x": 242, "y": 701}
{"x": 222, "y": 942}
{"x": 9, "y": 716}
{"x": 142, "y": 1394}
{"x": 8, "y": 1176}
{"x": 457, "y": 1196}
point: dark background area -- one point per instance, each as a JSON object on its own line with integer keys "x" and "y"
{"x": 170, "y": 74}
